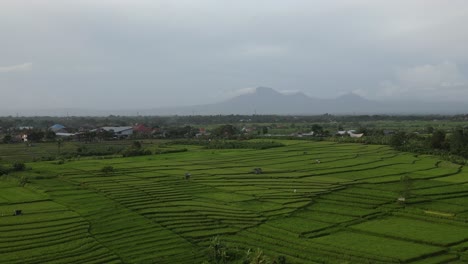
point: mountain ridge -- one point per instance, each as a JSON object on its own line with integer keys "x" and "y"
{"x": 265, "y": 100}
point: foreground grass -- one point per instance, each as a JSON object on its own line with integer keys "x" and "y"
{"x": 342, "y": 209}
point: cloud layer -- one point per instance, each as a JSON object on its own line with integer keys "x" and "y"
{"x": 443, "y": 81}
{"x": 17, "y": 68}
{"x": 150, "y": 53}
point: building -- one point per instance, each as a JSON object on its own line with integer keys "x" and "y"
{"x": 354, "y": 135}
{"x": 351, "y": 133}
{"x": 57, "y": 128}
{"x": 120, "y": 132}
{"x": 142, "y": 129}
{"x": 202, "y": 132}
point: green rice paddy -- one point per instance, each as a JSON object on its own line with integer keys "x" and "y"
{"x": 342, "y": 209}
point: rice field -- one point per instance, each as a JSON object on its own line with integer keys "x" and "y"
{"x": 314, "y": 202}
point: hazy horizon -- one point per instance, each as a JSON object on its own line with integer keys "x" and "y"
{"x": 107, "y": 55}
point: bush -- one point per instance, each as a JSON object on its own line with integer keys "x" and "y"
{"x": 131, "y": 152}
{"x": 23, "y": 180}
{"x": 171, "y": 151}
{"x": 19, "y": 166}
{"x": 107, "y": 170}
{"x": 7, "y": 139}
{"x": 229, "y": 144}
{"x": 3, "y": 170}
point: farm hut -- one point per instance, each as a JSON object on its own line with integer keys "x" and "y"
{"x": 17, "y": 212}
{"x": 187, "y": 175}
{"x": 353, "y": 135}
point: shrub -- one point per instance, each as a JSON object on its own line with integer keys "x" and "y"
{"x": 171, "y": 151}
{"x": 229, "y": 144}
{"x": 217, "y": 251}
{"x": 3, "y": 170}
{"x": 131, "y": 152}
{"x": 107, "y": 170}
{"x": 19, "y": 166}
{"x": 23, "y": 180}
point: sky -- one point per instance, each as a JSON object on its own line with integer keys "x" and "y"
{"x": 115, "y": 54}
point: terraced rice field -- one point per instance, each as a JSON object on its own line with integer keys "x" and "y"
{"x": 341, "y": 210}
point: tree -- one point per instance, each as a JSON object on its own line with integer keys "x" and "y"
{"x": 7, "y": 139}
{"x": 398, "y": 139}
{"x": 59, "y": 145}
{"x": 458, "y": 142}
{"x": 104, "y": 135}
{"x": 18, "y": 166}
{"x": 225, "y": 131}
{"x": 35, "y": 136}
{"x": 181, "y": 132}
{"x": 438, "y": 139}
{"x": 317, "y": 129}
{"x": 3, "y": 170}
{"x": 50, "y": 135}
{"x": 429, "y": 129}
{"x": 89, "y": 136}
{"x": 136, "y": 144}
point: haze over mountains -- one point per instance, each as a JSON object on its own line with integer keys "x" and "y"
{"x": 269, "y": 101}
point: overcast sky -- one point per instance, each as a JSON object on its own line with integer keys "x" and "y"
{"x": 150, "y": 53}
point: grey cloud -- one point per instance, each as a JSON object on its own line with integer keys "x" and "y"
{"x": 443, "y": 81}
{"x": 116, "y": 52}
{"x": 17, "y": 68}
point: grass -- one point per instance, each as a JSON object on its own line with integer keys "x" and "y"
{"x": 439, "y": 234}
{"x": 384, "y": 249}
{"x": 340, "y": 210}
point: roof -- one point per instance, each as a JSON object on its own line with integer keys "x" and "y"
{"x": 64, "y": 134}
{"x": 118, "y": 129}
{"x": 56, "y": 127}
{"x": 142, "y": 128}
{"x": 353, "y": 135}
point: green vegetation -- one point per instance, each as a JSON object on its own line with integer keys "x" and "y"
{"x": 313, "y": 202}
{"x": 229, "y": 144}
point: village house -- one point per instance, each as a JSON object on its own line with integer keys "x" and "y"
{"x": 58, "y": 128}
{"x": 120, "y": 132}
{"x": 61, "y": 131}
{"x": 142, "y": 130}
{"x": 351, "y": 133}
{"x": 202, "y": 132}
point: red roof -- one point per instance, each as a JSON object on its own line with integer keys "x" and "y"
{"x": 142, "y": 129}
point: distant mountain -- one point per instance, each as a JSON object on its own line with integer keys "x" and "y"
{"x": 269, "y": 101}
{"x": 266, "y": 100}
